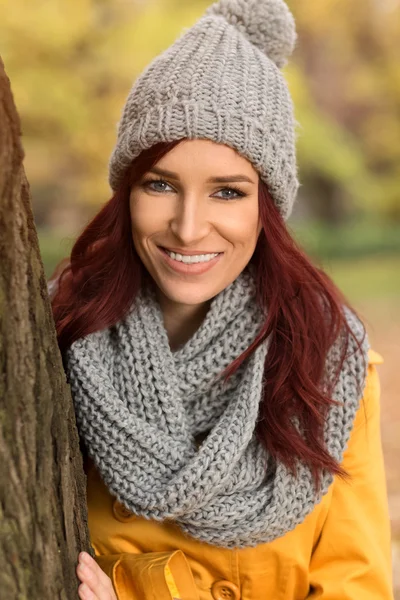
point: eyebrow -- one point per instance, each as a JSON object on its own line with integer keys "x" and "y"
{"x": 226, "y": 179}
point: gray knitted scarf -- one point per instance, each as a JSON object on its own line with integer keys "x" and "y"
{"x": 139, "y": 407}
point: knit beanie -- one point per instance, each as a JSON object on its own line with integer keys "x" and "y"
{"x": 221, "y": 81}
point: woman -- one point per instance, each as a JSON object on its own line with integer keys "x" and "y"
{"x": 226, "y": 396}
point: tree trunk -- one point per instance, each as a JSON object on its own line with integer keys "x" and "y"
{"x": 43, "y": 519}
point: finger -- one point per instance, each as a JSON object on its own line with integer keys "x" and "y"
{"x": 87, "y": 560}
{"x": 84, "y": 574}
{"x": 97, "y": 581}
{"x": 85, "y": 592}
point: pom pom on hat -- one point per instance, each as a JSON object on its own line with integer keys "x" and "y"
{"x": 268, "y": 24}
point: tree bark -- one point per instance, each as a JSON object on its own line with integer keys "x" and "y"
{"x": 43, "y": 518}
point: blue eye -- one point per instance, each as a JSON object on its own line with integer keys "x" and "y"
{"x": 156, "y": 182}
{"x": 235, "y": 193}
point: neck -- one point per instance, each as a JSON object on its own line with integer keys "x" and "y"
{"x": 181, "y": 321}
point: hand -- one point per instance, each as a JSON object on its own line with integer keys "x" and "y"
{"x": 96, "y": 585}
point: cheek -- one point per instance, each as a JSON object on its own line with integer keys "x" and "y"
{"x": 241, "y": 227}
{"x": 146, "y": 218}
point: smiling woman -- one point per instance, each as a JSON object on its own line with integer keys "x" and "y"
{"x": 193, "y": 236}
{"x": 217, "y": 374}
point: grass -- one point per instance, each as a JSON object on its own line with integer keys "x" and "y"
{"x": 368, "y": 278}
{"x": 354, "y": 239}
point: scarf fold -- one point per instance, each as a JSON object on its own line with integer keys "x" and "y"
{"x": 140, "y": 406}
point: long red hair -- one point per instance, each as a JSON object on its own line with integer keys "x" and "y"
{"x": 304, "y": 308}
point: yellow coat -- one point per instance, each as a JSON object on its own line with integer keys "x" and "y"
{"x": 341, "y": 551}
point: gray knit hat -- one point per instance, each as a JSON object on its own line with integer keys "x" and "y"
{"x": 221, "y": 81}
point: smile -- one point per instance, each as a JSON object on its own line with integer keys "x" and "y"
{"x": 190, "y": 259}
{"x": 193, "y": 263}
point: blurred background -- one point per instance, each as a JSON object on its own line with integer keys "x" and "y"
{"x": 72, "y": 63}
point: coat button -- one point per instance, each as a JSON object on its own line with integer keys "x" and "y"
{"x": 225, "y": 590}
{"x": 121, "y": 513}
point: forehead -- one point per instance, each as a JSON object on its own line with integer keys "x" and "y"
{"x": 205, "y": 155}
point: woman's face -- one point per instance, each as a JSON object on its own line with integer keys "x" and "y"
{"x": 195, "y": 220}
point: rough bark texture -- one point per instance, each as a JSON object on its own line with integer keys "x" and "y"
{"x": 43, "y": 520}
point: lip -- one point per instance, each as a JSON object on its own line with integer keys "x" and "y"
{"x": 188, "y": 252}
{"x": 185, "y": 269}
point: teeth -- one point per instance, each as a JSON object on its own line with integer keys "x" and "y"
{"x": 190, "y": 260}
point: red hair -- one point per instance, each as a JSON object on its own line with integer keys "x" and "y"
{"x": 304, "y": 308}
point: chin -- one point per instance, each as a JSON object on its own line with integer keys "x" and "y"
{"x": 189, "y": 293}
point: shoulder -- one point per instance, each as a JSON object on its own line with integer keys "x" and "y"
{"x": 366, "y": 427}
{"x": 374, "y": 358}
{"x": 370, "y": 403}
{"x": 372, "y": 385}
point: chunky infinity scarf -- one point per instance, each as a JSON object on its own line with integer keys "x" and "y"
{"x": 139, "y": 407}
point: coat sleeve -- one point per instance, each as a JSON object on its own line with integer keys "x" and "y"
{"x": 352, "y": 558}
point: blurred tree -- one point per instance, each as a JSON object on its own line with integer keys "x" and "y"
{"x": 331, "y": 161}
{"x": 348, "y": 53}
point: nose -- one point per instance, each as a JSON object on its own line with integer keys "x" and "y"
{"x": 189, "y": 223}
